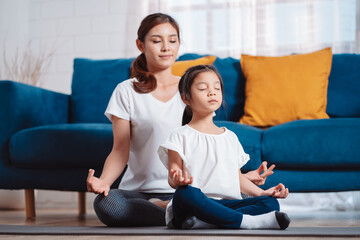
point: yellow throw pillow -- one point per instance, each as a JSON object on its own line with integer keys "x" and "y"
{"x": 283, "y": 89}
{"x": 179, "y": 67}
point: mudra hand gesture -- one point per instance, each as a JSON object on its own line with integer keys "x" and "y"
{"x": 259, "y": 175}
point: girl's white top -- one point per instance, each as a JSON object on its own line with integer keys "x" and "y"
{"x": 212, "y": 160}
{"x": 151, "y": 122}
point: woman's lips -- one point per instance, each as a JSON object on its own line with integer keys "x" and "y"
{"x": 165, "y": 56}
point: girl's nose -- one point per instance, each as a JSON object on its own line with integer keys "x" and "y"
{"x": 211, "y": 94}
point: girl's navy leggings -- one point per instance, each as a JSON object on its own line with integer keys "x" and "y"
{"x": 190, "y": 201}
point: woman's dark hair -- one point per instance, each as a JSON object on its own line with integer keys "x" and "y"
{"x": 185, "y": 86}
{"x": 146, "y": 80}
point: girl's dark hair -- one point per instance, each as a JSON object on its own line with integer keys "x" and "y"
{"x": 185, "y": 86}
{"x": 146, "y": 80}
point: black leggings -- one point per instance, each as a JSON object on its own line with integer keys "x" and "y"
{"x": 123, "y": 208}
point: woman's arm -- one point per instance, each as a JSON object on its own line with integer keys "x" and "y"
{"x": 259, "y": 175}
{"x": 177, "y": 176}
{"x": 116, "y": 161}
{"x": 249, "y": 188}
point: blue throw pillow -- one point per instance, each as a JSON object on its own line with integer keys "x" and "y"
{"x": 92, "y": 85}
{"x": 344, "y": 86}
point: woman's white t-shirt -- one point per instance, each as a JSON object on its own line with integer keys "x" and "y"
{"x": 151, "y": 122}
{"x": 213, "y": 160}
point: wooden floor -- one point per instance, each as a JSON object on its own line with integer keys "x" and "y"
{"x": 69, "y": 217}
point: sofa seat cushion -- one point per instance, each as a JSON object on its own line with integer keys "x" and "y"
{"x": 61, "y": 146}
{"x": 314, "y": 144}
{"x": 250, "y": 139}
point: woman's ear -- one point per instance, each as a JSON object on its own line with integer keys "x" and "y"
{"x": 140, "y": 45}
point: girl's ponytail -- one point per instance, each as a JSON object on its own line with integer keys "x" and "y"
{"x": 187, "y": 116}
{"x": 146, "y": 81}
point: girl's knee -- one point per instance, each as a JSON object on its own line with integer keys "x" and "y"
{"x": 186, "y": 192}
{"x": 272, "y": 204}
{"x": 188, "y": 195}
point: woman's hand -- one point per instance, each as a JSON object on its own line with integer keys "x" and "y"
{"x": 178, "y": 179}
{"x": 96, "y": 185}
{"x": 259, "y": 175}
{"x": 278, "y": 191}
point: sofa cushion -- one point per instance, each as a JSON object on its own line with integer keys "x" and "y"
{"x": 344, "y": 86}
{"x": 92, "y": 85}
{"x": 250, "y": 139}
{"x": 61, "y": 146}
{"x": 315, "y": 180}
{"x": 283, "y": 89}
{"x": 314, "y": 144}
{"x": 179, "y": 67}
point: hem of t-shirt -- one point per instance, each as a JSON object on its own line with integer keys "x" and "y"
{"x": 109, "y": 113}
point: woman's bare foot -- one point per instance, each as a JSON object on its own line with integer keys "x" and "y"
{"x": 159, "y": 202}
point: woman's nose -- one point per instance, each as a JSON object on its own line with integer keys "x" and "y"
{"x": 165, "y": 47}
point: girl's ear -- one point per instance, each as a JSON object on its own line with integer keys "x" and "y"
{"x": 184, "y": 99}
{"x": 140, "y": 45}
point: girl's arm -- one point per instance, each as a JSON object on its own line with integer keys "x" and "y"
{"x": 249, "y": 188}
{"x": 177, "y": 176}
{"x": 115, "y": 162}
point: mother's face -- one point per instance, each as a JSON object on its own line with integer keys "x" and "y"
{"x": 160, "y": 46}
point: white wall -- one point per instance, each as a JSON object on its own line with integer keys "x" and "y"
{"x": 71, "y": 28}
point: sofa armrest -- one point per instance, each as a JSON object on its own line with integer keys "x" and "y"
{"x": 23, "y": 106}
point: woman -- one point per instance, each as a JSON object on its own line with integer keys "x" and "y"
{"x": 143, "y": 111}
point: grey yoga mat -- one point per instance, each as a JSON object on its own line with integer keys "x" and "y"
{"x": 102, "y": 230}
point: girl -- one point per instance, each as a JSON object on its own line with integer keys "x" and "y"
{"x": 143, "y": 111}
{"x": 209, "y": 158}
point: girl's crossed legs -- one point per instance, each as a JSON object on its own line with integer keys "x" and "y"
{"x": 190, "y": 201}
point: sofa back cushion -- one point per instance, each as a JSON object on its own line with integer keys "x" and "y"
{"x": 344, "y": 86}
{"x": 92, "y": 85}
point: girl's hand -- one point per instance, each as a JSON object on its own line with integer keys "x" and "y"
{"x": 96, "y": 185}
{"x": 278, "y": 192}
{"x": 178, "y": 178}
{"x": 259, "y": 175}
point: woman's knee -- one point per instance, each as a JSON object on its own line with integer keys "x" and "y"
{"x": 112, "y": 209}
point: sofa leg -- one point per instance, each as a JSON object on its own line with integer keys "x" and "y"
{"x": 82, "y": 203}
{"x": 30, "y": 203}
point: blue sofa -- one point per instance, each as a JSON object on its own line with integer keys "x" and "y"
{"x": 49, "y": 140}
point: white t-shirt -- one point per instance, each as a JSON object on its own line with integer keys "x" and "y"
{"x": 212, "y": 160}
{"x": 151, "y": 122}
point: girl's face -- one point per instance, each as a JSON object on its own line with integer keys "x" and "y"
{"x": 160, "y": 46}
{"x": 206, "y": 95}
